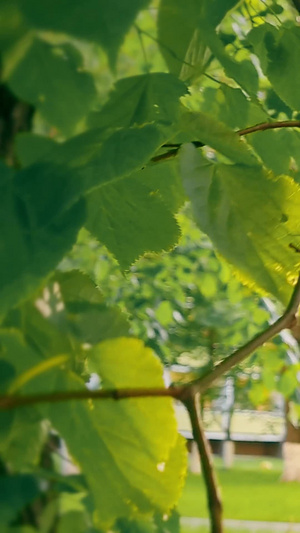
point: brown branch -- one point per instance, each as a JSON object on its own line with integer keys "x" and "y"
{"x": 165, "y": 155}
{"x": 270, "y": 126}
{"x": 213, "y": 493}
{"x": 246, "y": 131}
{"x": 12, "y": 401}
{"x": 183, "y": 392}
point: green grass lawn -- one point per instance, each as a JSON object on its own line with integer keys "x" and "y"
{"x": 249, "y": 492}
{"x": 200, "y": 529}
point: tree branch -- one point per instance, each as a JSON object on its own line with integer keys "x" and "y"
{"x": 213, "y": 493}
{"x": 270, "y": 126}
{"x": 246, "y": 131}
{"x": 287, "y": 320}
{"x": 11, "y": 401}
{"x": 183, "y": 392}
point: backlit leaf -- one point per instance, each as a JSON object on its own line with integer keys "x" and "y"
{"x": 130, "y": 450}
{"x": 203, "y": 127}
{"x": 88, "y": 318}
{"x": 127, "y": 217}
{"x": 243, "y": 72}
{"x": 227, "y": 202}
{"x": 141, "y": 99}
{"x": 180, "y": 36}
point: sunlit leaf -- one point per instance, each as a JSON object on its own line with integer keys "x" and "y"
{"x": 130, "y": 451}
{"x": 141, "y": 99}
{"x": 127, "y": 218}
{"x": 202, "y": 127}
{"x": 88, "y": 318}
{"x": 179, "y": 31}
{"x": 227, "y": 202}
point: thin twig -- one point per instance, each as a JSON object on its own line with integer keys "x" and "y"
{"x": 165, "y": 155}
{"x": 183, "y": 392}
{"x": 270, "y": 126}
{"x": 213, "y": 493}
{"x": 246, "y": 131}
{"x": 287, "y": 320}
{"x": 13, "y": 400}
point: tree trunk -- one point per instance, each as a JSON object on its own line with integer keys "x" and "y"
{"x": 291, "y": 451}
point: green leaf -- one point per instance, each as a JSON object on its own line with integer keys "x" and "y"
{"x": 12, "y": 26}
{"x": 88, "y": 318}
{"x": 177, "y": 23}
{"x": 94, "y": 158}
{"x": 164, "y": 313}
{"x": 140, "y": 99}
{"x": 275, "y": 148}
{"x": 7, "y": 374}
{"x": 22, "y": 356}
{"x": 213, "y": 11}
{"x": 258, "y": 393}
{"x": 22, "y": 442}
{"x": 36, "y": 227}
{"x": 169, "y": 525}
{"x": 243, "y": 72}
{"x": 130, "y": 451}
{"x": 180, "y": 36}
{"x": 128, "y": 218}
{"x": 125, "y": 525}
{"x": 202, "y": 127}
{"x": 250, "y": 216}
{"x": 278, "y": 51}
{"x": 229, "y": 105}
{"x": 31, "y": 147}
{"x": 164, "y": 181}
{"x": 155, "y": 524}
{"x": 288, "y": 382}
{"x": 73, "y": 521}
{"x": 16, "y": 492}
{"x": 51, "y": 78}
{"x": 219, "y": 103}
{"x": 42, "y": 324}
{"x": 44, "y": 221}
{"x": 25, "y": 434}
{"x": 99, "y": 159}
{"x": 105, "y": 23}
